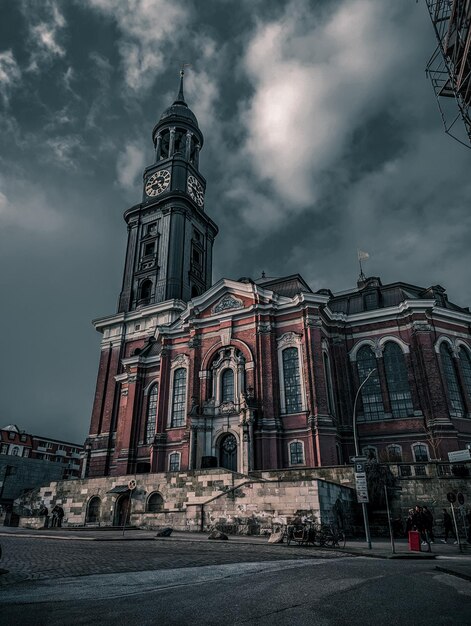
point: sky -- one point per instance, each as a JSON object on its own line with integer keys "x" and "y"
{"x": 322, "y": 137}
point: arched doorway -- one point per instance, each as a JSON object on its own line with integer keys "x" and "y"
{"x": 121, "y": 510}
{"x": 93, "y": 510}
{"x": 228, "y": 452}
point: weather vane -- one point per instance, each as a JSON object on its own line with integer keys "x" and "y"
{"x": 182, "y": 67}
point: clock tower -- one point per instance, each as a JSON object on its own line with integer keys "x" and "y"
{"x": 170, "y": 237}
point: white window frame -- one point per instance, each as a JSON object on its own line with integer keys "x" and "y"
{"x": 394, "y": 445}
{"x": 420, "y": 443}
{"x": 180, "y": 361}
{"x": 179, "y": 454}
{"x": 290, "y": 443}
{"x": 222, "y": 362}
{"x": 291, "y": 340}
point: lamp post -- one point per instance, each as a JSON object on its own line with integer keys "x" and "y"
{"x": 357, "y": 453}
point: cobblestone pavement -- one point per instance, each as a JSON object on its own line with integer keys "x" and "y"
{"x": 40, "y": 558}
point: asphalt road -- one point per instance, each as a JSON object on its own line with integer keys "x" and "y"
{"x": 197, "y": 583}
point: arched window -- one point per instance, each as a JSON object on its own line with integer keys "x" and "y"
{"x": 296, "y": 453}
{"x": 454, "y": 392}
{"x": 145, "y": 290}
{"x": 179, "y": 397}
{"x": 155, "y": 503}
{"x": 292, "y": 380}
{"x": 398, "y": 383}
{"x": 370, "y": 452}
{"x": 15, "y": 451}
{"x": 152, "y": 413}
{"x": 227, "y": 385}
{"x": 328, "y": 382}
{"x": 174, "y": 462}
{"x": 373, "y": 408}
{"x": 394, "y": 453}
{"x": 420, "y": 451}
{"x": 195, "y": 292}
{"x": 93, "y": 510}
{"x": 465, "y": 364}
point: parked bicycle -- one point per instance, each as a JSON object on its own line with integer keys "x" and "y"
{"x": 310, "y": 532}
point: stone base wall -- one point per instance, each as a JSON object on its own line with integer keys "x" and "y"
{"x": 198, "y": 499}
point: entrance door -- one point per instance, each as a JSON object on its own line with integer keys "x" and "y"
{"x": 121, "y": 510}
{"x": 228, "y": 453}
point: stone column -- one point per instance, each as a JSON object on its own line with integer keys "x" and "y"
{"x": 188, "y": 145}
{"x": 158, "y": 146}
{"x": 171, "y": 148}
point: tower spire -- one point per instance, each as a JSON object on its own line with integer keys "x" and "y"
{"x": 180, "y": 97}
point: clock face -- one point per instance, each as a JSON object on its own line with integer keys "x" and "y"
{"x": 157, "y": 183}
{"x": 195, "y": 190}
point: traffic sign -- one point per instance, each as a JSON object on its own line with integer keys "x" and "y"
{"x": 132, "y": 484}
{"x": 451, "y": 497}
{"x": 460, "y": 497}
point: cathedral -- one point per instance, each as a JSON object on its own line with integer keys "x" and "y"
{"x": 262, "y": 374}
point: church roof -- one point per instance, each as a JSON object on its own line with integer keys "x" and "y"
{"x": 288, "y": 286}
{"x": 371, "y": 294}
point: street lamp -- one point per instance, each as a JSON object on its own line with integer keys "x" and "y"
{"x": 357, "y": 453}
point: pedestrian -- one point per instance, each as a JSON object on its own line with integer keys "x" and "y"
{"x": 420, "y": 523}
{"x": 410, "y": 521}
{"x": 60, "y": 516}
{"x": 54, "y": 514}
{"x": 44, "y": 512}
{"x": 448, "y": 526}
{"x": 428, "y": 520}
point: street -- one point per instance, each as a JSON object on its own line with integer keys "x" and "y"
{"x": 71, "y": 581}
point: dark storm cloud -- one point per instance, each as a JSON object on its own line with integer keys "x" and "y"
{"x": 321, "y": 137}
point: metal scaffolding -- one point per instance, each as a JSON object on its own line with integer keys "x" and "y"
{"x": 449, "y": 69}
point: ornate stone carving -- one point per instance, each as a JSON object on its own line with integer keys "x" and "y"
{"x": 182, "y": 360}
{"x": 289, "y": 339}
{"x": 264, "y": 328}
{"x": 421, "y": 327}
{"x": 228, "y": 408}
{"x": 226, "y": 303}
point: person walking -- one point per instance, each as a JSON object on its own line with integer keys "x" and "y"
{"x": 448, "y": 526}
{"x": 428, "y": 521}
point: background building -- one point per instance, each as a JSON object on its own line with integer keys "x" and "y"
{"x": 27, "y": 461}
{"x": 261, "y": 374}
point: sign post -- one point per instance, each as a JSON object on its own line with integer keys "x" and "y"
{"x": 127, "y": 515}
{"x": 451, "y": 497}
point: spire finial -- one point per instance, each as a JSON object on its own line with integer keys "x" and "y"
{"x": 180, "y": 96}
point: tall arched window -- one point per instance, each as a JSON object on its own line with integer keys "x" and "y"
{"x": 292, "y": 380}
{"x": 398, "y": 383}
{"x": 227, "y": 385}
{"x": 373, "y": 408}
{"x": 454, "y": 392}
{"x": 465, "y": 363}
{"x": 328, "y": 383}
{"x": 151, "y": 414}
{"x": 179, "y": 397}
